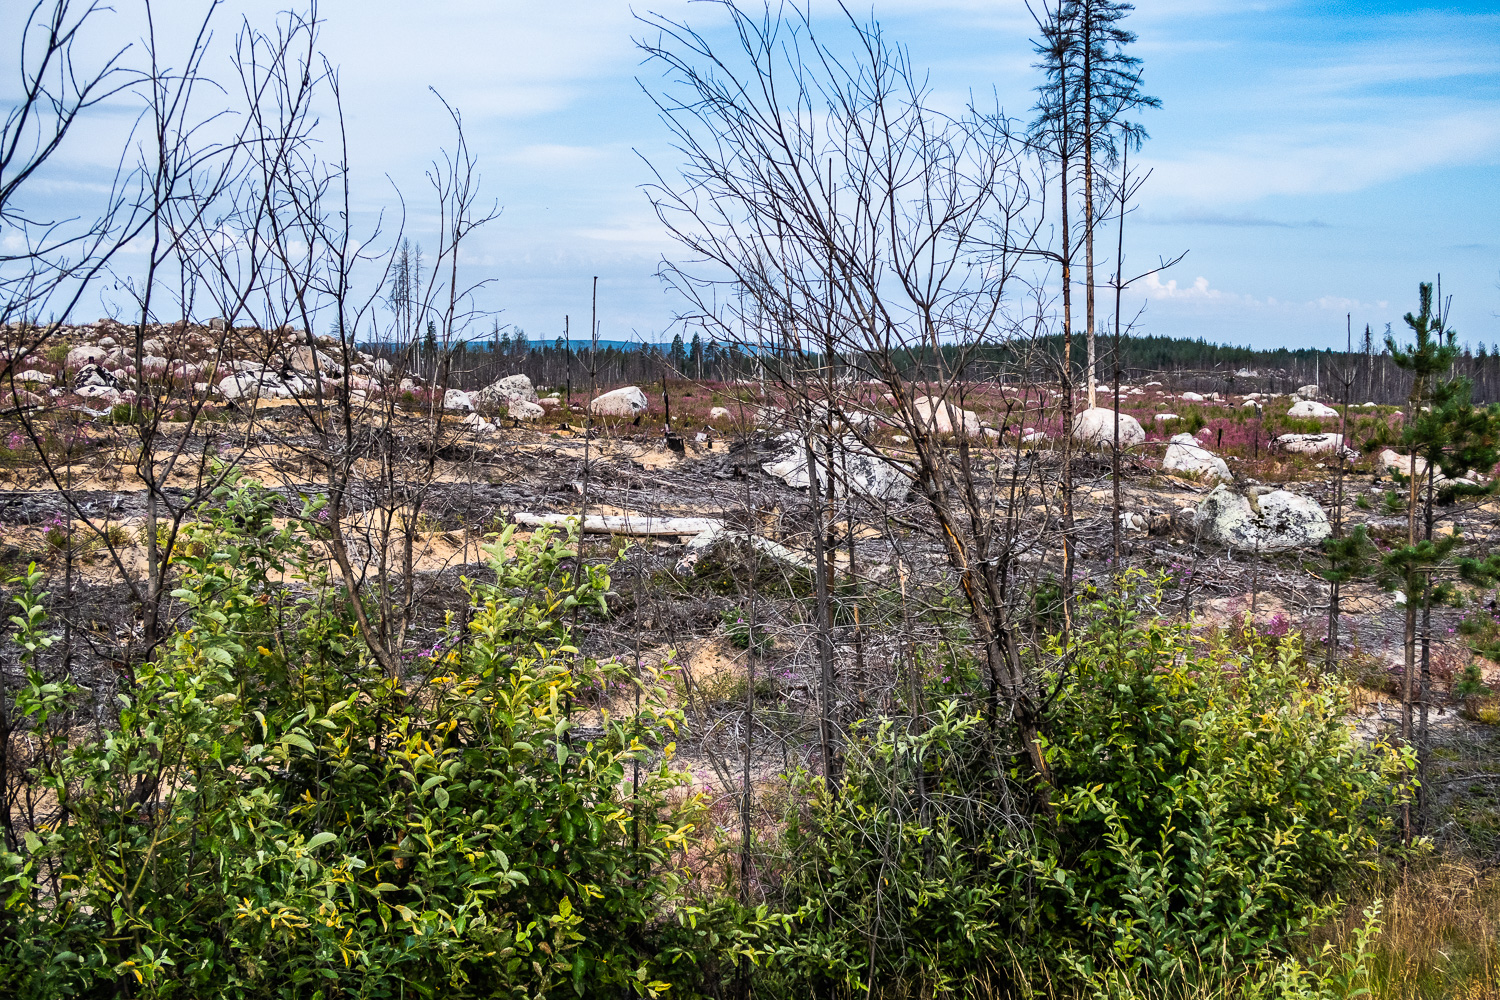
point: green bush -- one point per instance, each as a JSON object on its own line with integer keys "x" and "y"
{"x": 271, "y": 815}
{"x": 1205, "y": 799}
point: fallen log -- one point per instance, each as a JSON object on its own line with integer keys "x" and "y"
{"x": 624, "y": 524}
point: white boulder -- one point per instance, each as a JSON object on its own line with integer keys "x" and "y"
{"x": 1308, "y": 392}
{"x": 1393, "y": 461}
{"x": 1192, "y": 397}
{"x": 718, "y": 413}
{"x": 458, "y": 400}
{"x": 1161, "y": 417}
{"x": 244, "y": 386}
{"x": 1096, "y": 427}
{"x": 942, "y": 417}
{"x": 1185, "y": 454}
{"x": 1277, "y": 521}
{"x": 1310, "y": 444}
{"x": 85, "y": 354}
{"x": 856, "y": 469}
{"x": 1311, "y": 408}
{"x": 628, "y": 402}
{"x": 521, "y": 409}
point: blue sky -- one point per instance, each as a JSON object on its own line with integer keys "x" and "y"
{"x": 1314, "y": 159}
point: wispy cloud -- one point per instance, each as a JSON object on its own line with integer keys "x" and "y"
{"x": 1200, "y": 217}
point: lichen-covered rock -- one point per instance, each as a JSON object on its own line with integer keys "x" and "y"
{"x": 1311, "y": 408}
{"x": 628, "y": 402}
{"x": 457, "y": 400}
{"x": 1395, "y": 462}
{"x": 1095, "y": 427}
{"x": 520, "y": 409}
{"x": 1278, "y": 521}
{"x": 1311, "y": 444}
{"x": 856, "y": 469}
{"x": 1185, "y": 454}
{"x": 503, "y": 392}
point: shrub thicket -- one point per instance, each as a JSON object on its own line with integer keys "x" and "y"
{"x": 268, "y": 814}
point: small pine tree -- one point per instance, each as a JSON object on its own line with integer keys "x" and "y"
{"x": 1445, "y": 431}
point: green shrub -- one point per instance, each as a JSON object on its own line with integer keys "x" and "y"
{"x": 1205, "y": 799}
{"x": 271, "y": 815}
{"x": 738, "y": 630}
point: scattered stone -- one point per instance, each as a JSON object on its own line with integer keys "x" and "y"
{"x": 718, "y": 413}
{"x": 628, "y": 402}
{"x": 1277, "y": 521}
{"x": 1160, "y": 417}
{"x": 1185, "y": 454}
{"x": 32, "y": 375}
{"x": 1095, "y": 427}
{"x": 1192, "y": 397}
{"x": 1308, "y": 392}
{"x": 457, "y": 400}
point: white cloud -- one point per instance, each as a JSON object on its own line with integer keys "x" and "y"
{"x": 1199, "y": 291}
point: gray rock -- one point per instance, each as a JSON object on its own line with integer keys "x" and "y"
{"x": 1308, "y": 392}
{"x": 94, "y": 376}
{"x": 1278, "y": 521}
{"x": 628, "y": 402}
{"x": 1095, "y": 427}
{"x": 1311, "y": 408}
{"x": 1185, "y": 454}
{"x": 501, "y": 393}
{"x": 84, "y": 354}
{"x": 1312, "y": 444}
{"x": 520, "y": 409}
{"x": 856, "y": 468}
{"x": 943, "y": 417}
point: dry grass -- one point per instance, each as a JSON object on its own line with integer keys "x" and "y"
{"x": 1440, "y": 933}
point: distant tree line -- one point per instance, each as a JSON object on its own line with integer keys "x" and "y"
{"x": 1179, "y": 362}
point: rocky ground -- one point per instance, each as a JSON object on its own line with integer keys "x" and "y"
{"x": 1224, "y": 500}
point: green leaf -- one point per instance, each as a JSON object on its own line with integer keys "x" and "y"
{"x": 319, "y": 839}
{"x": 299, "y": 741}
